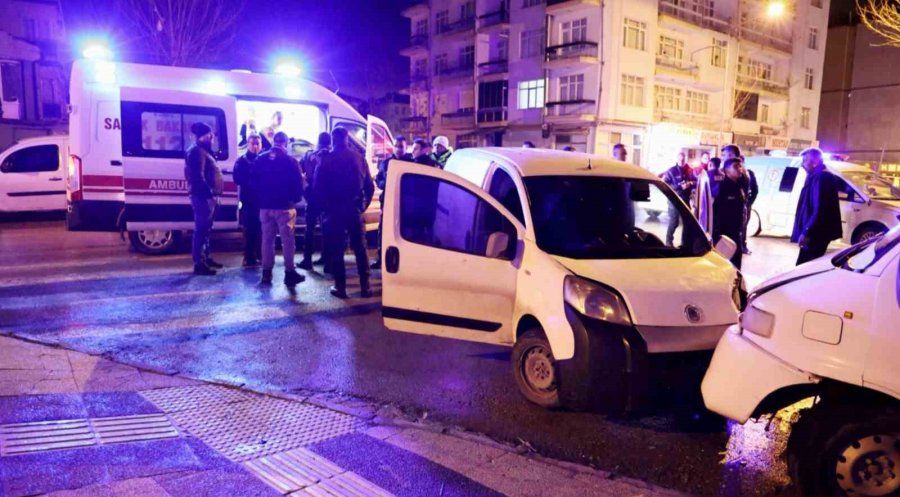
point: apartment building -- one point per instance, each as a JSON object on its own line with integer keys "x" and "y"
{"x": 660, "y": 76}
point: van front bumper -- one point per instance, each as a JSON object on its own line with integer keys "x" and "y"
{"x": 742, "y": 374}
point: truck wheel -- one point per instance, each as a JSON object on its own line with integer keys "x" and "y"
{"x": 846, "y": 452}
{"x": 534, "y": 369}
{"x": 154, "y": 242}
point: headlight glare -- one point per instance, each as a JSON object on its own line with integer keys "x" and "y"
{"x": 595, "y": 301}
{"x": 758, "y": 321}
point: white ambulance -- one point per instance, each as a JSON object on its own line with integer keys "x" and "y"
{"x": 129, "y": 126}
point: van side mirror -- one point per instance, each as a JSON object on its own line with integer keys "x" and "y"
{"x": 497, "y": 243}
{"x": 726, "y": 247}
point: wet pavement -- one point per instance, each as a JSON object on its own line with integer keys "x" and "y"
{"x": 88, "y": 292}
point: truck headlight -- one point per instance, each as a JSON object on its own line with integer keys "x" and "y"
{"x": 595, "y": 301}
{"x": 758, "y": 321}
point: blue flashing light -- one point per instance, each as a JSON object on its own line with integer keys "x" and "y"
{"x": 96, "y": 51}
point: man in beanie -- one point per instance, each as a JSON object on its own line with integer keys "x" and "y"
{"x": 280, "y": 187}
{"x": 205, "y": 184}
{"x": 442, "y": 150}
{"x": 310, "y": 165}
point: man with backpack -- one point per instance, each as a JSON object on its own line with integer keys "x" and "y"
{"x": 310, "y": 165}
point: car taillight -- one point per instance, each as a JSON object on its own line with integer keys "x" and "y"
{"x": 73, "y": 178}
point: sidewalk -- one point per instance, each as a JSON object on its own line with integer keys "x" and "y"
{"x": 76, "y": 425}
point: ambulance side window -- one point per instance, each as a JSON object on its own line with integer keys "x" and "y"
{"x": 788, "y": 179}
{"x": 164, "y": 130}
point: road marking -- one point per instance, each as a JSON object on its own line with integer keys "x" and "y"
{"x": 100, "y": 275}
{"x": 151, "y": 296}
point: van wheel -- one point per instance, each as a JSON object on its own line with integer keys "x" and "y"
{"x": 837, "y": 452}
{"x": 535, "y": 370}
{"x": 867, "y": 231}
{"x": 754, "y": 224}
{"x": 154, "y": 242}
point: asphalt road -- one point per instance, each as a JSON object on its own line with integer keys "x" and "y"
{"x": 89, "y": 292}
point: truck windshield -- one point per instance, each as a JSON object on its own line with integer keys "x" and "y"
{"x": 875, "y": 186}
{"x": 592, "y": 217}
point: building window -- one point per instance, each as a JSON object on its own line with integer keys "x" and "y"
{"x": 764, "y": 113}
{"x": 574, "y": 31}
{"x": 10, "y": 81}
{"x": 809, "y": 78}
{"x": 467, "y": 56}
{"x": 804, "y": 117}
{"x": 440, "y": 64}
{"x": 755, "y": 69}
{"x": 421, "y": 27}
{"x": 668, "y": 98}
{"x": 503, "y": 49}
{"x": 813, "y": 39}
{"x": 670, "y": 48}
{"x": 571, "y": 88}
{"x": 532, "y": 43}
{"x": 29, "y": 28}
{"x": 746, "y": 105}
{"x": 635, "y": 34}
{"x": 719, "y": 53}
{"x": 531, "y": 94}
{"x": 696, "y": 102}
{"x": 441, "y": 20}
{"x": 420, "y": 68}
{"x": 705, "y": 8}
{"x": 531, "y": 3}
{"x": 467, "y": 10}
{"x": 632, "y": 91}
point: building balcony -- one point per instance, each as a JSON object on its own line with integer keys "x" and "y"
{"x": 419, "y": 9}
{"x": 418, "y": 45}
{"x": 571, "y": 111}
{"x": 450, "y": 73}
{"x": 461, "y": 119}
{"x": 670, "y": 65}
{"x": 492, "y": 117}
{"x": 414, "y": 124}
{"x": 752, "y": 84}
{"x": 460, "y": 26}
{"x": 568, "y": 54}
{"x": 500, "y": 66}
{"x": 418, "y": 81}
{"x": 768, "y": 40}
{"x": 556, "y": 7}
{"x": 685, "y": 117}
{"x": 671, "y": 9}
{"x": 493, "y": 20}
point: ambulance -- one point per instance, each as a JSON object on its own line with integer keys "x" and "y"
{"x": 129, "y": 126}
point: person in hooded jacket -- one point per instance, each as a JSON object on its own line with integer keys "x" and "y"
{"x": 205, "y": 184}
{"x": 442, "y": 150}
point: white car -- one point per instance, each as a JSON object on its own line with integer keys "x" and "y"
{"x": 831, "y": 329}
{"x": 553, "y": 254}
{"x": 32, "y": 177}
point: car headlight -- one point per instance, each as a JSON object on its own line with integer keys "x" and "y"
{"x": 595, "y": 301}
{"x": 758, "y": 321}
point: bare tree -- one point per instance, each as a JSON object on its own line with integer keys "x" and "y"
{"x": 184, "y": 32}
{"x": 882, "y": 17}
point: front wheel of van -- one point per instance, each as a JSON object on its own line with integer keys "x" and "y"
{"x": 154, "y": 242}
{"x": 535, "y": 369}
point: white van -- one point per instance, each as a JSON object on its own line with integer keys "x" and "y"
{"x": 553, "y": 253}
{"x": 32, "y": 175}
{"x": 870, "y": 204}
{"x": 129, "y": 126}
{"x": 831, "y": 329}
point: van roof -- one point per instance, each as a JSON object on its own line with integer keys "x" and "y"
{"x": 547, "y": 162}
{"x": 836, "y": 165}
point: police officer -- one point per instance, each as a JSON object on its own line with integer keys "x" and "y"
{"x": 205, "y": 184}
{"x": 728, "y": 208}
{"x": 249, "y": 197}
{"x": 344, "y": 183}
{"x": 442, "y": 150}
{"x": 681, "y": 178}
{"x": 381, "y": 182}
{"x": 310, "y": 165}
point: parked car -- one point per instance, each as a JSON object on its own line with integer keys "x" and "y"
{"x": 829, "y": 329}
{"x": 870, "y": 204}
{"x": 552, "y": 254}
{"x": 32, "y": 175}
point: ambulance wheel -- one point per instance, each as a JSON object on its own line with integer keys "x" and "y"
{"x": 867, "y": 231}
{"x": 754, "y": 224}
{"x": 535, "y": 369}
{"x": 154, "y": 242}
{"x": 837, "y": 452}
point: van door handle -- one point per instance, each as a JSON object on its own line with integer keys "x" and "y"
{"x": 55, "y": 178}
{"x": 115, "y": 163}
{"x": 392, "y": 260}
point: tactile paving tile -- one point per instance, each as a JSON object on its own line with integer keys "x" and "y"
{"x": 24, "y": 438}
{"x": 176, "y": 399}
{"x": 133, "y": 428}
{"x": 348, "y": 484}
{"x": 293, "y": 470}
{"x": 263, "y": 426}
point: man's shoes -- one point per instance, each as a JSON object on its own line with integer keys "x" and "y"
{"x": 376, "y": 264}
{"x": 293, "y": 278}
{"x": 203, "y": 270}
{"x": 337, "y": 292}
{"x": 366, "y": 292}
{"x": 306, "y": 264}
{"x": 248, "y": 263}
{"x": 319, "y": 262}
{"x": 747, "y": 251}
{"x": 213, "y": 264}
{"x": 266, "y": 278}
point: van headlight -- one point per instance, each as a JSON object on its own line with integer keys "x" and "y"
{"x": 758, "y": 321}
{"x": 595, "y": 301}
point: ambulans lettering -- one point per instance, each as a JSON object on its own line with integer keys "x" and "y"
{"x": 112, "y": 123}
{"x": 168, "y": 184}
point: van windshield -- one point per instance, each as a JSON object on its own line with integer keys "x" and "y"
{"x": 592, "y": 217}
{"x": 875, "y": 186}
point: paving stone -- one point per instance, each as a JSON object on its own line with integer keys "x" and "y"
{"x": 137, "y": 487}
{"x": 19, "y": 354}
{"x": 216, "y": 483}
{"x": 382, "y": 432}
{"x": 36, "y": 382}
{"x": 459, "y": 455}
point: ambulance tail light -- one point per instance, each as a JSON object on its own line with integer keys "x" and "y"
{"x": 73, "y": 178}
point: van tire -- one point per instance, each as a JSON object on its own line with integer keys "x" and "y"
{"x": 825, "y": 435}
{"x": 154, "y": 242}
{"x": 868, "y": 230}
{"x": 535, "y": 370}
{"x": 754, "y": 224}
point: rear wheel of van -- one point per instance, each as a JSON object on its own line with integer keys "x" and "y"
{"x": 754, "y": 224}
{"x": 867, "y": 231}
{"x": 535, "y": 370}
{"x": 154, "y": 242}
{"x": 843, "y": 451}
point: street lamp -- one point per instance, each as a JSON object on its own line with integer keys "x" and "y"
{"x": 775, "y": 10}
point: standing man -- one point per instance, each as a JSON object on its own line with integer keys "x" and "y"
{"x": 381, "y": 182}
{"x": 422, "y": 154}
{"x": 620, "y": 153}
{"x": 442, "y": 150}
{"x": 681, "y": 178}
{"x": 205, "y": 184}
{"x": 310, "y": 165}
{"x": 249, "y": 197}
{"x": 728, "y": 208}
{"x": 818, "y": 218}
{"x": 704, "y": 161}
{"x": 730, "y": 152}
{"x": 344, "y": 179}
{"x": 280, "y": 188}
{"x": 751, "y": 191}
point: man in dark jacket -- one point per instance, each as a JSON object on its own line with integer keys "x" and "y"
{"x": 280, "y": 188}
{"x": 422, "y": 153}
{"x": 205, "y": 184}
{"x": 249, "y": 197}
{"x": 728, "y": 208}
{"x": 344, "y": 180}
{"x": 310, "y": 165}
{"x": 751, "y": 191}
{"x": 681, "y": 178}
{"x": 818, "y": 218}
{"x": 381, "y": 182}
